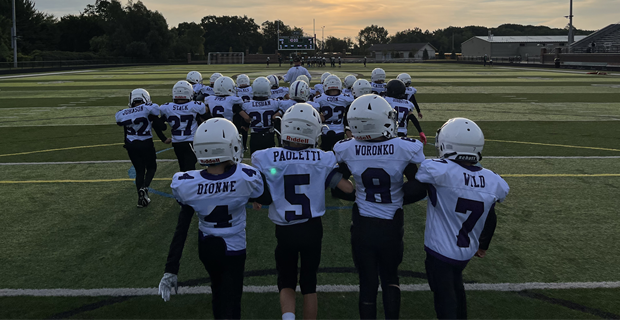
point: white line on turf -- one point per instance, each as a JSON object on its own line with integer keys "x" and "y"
{"x": 117, "y": 292}
{"x": 43, "y": 74}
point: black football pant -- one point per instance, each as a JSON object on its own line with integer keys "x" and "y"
{"x": 446, "y": 282}
{"x": 330, "y": 139}
{"x": 260, "y": 141}
{"x": 377, "y": 252}
{"x": 185, "y": 156}
{"x": 299, "y": 241}
{"x": 226, "y": 273}
{"x": 144, "y": 160}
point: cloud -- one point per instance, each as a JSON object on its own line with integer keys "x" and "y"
{"x": 346, "y": 17}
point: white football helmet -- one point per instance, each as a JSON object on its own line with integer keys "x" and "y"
{"x": 332, "y": 83}
{"x": 182, "y": 90}
{"x": 304, "y": 78}
{"x": 349, "y": 81}
{"x": 324, "y": 76}
{"x": 214, "y": 77}
{"x": 261, "y": 87}
{"x": 299, "y": 90}
{"x": 370, "y": 117}
{"x": 243, "y": 80}
{"x": 404, "y": 77}
{"x": 194, "y": 77}
{"x": 139, "y": 95}
{"x": 301, "y": 123}
{"x": 460, "y": 139}
{"x": 217, "y": 140}
{"x": 360, "y": 88}
{"x": 273, "y": 80}
{"x": 377, "y": 74}
{"x": 224, "y": 86}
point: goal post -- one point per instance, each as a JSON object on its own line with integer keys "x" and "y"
{"x": 225, "y": 58}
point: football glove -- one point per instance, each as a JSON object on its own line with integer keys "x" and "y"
{"x": 423, "y": 137}
{"x": 168, "y": 281}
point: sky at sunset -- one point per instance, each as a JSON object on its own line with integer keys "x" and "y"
{"x": 346, "y": 17}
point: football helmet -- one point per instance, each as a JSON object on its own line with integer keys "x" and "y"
{"x": 371, "y": 117}
{"x": 261, "y": 87}
{"x": 194, "y": 77}
{"x": 405, "y": 78}
{"x": 349, "y": 81}
{"x": 301, "y": 123}
{"x": 360, "y": 88}
{"x": 324, "y": 76}
{"x": 214, "y": 77}
{"x": 182, "y": 90}
{"x": 243, "y": 80}
{"x": 304, "y": 78}
{"x": 460, "y": 139}
{"x": 275, "y": 83}
{"x": 395, "y": 89}
{"x": 139, "y": 95}
{"x": 332, "y": 83}
{"x": 224, "y": 86}
{"x": 217, "y": 140}
{"x": 299, "y": 90}
{"x": 377, "y": 74}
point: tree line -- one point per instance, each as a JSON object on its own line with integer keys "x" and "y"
{"x": 109, "y": 29}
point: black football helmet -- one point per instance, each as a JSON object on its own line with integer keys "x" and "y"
{"x": 395, "y": 89}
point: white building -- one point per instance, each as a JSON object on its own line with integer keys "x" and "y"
{"x": 513, "y": 46}
{"x": 383, "y": 52}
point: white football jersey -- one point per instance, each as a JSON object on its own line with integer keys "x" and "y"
{"x": 318, "y": 88}
{"x": 347, "y": 91}
{"x": 410, "y": 91}
{"x": 261, "y": 113}
{"x": 403, "y": 107}
{"x": 378, "y": 88}
{"x": 207, "y": 91}
{"x": 222, "y": 106}
{"x": 219, "y": 200}
{"x": 297, "y": 180}
{"x": 333, "y": 109}
{"x": 459, "y": 201}
{"x": 378, "y": 168}
{"x": 286, "y": 104}
{"x": 245, "y": 93}
{"x": 182, "y": 119}
{"x": 279, "y": 93}
{"x": 136, "y": 121}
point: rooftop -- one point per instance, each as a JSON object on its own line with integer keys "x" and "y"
{"x": 521, "y": 39}
{"x": 399, "y": 46}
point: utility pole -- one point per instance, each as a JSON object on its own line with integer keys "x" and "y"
{"x": 278, "y": 40}
{"x": 571, "y": 36}
{"x": 14, "y": 37}
{"x": 314, "y": 33}
{"x": 323, "y": 39}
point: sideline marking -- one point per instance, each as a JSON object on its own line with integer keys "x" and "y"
{"x": 553, "y": 145}
{"x": 79, "y": 162}
{"x": 43, "y": 74}
{"x": 128, "y": 292}
{"x": 60, "y": 149}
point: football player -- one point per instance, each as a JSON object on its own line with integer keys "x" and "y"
{"x": 318, "y": 88}
{"x": 360, "y": 87}
{"x": 244, "y": 87}
{"x": 218, "y": 195}
{"x": 377, "y": 159}
{"x": 297, "y": 175}
{"x": 195, "y": 79}
{"x": 411, "y": 91}
{"x": 225, "y": 103}
{"x": 334, "y": 106}
{"x": 184, "y": 116}
{"x": 377, "y": 78}
{"x": 277, "y": 92}
{"x": 296, "y": 71}
{"x": 299, "y": 93}
{"x": 460, "y": 214}
{"x": 395, "y": 96}
{"x": 348, "y": 83}
{"x": 259, "y": 113}
{"x": 208, "y": 90}
{"x": 137, "y": 119}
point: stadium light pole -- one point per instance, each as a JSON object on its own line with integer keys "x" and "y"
{"x": 571, "y": 36}
{"x": 323, "y": 39}
{"x": 14, "y": 37}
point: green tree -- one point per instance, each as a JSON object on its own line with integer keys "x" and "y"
{"x": 371, "y": 35}
{"x": 221, "y": 33}
{"x": 188, "y": 39}
{"x": 269, "y": 30}
{"x": 425, "y": 54}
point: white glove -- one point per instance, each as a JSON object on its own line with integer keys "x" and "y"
{"x": 168, "y": 281}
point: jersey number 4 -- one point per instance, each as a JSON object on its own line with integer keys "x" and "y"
{"x": 464, "y": 206}
{"x": 220, "y": 217}
{"x": 290, "y": 182}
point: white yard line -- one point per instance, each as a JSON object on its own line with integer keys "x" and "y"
{"x": 43, "y": 74}
{"x": 557, "y": 71}
{"x": 76, "y": 162}
{"x": 118, "y": 292}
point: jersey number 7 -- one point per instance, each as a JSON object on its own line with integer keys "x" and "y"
{"x": 477, "y": 209}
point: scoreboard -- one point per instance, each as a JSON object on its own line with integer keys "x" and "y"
{"x": 295, "y": 43}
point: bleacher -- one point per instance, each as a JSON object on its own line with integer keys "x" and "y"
{"x": 606, "y": 40}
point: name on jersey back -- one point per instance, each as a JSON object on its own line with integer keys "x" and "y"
{"x": 133, "y": 110}
{"x": 261, "y": 103}
{"x": 473, "y": 181}
{"x": 180, "y": 108}
{"x": 216, "y": 187}
{"x": 284, "y": 155}
{"x": 376, "y": 150}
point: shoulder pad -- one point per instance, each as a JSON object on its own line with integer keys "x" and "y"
{"x": 408, "y": 139}
{"x": 440, "y": 160}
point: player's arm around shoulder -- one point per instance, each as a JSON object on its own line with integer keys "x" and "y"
{"x": 254, "y": 179}
{"x": 414, "y": 148}
{"x": 431, "y": 169}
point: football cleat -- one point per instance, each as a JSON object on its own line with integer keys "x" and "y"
{"x": 143, "y": 197}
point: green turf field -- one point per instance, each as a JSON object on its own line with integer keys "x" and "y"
{"x": 69, "y": 219}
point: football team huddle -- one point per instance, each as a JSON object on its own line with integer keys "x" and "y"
{"x": 304, "y": 140}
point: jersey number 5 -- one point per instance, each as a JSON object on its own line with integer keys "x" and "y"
{"x": 290, "y": 182}
{"x": 477, "y": 209}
